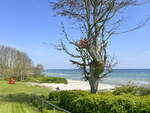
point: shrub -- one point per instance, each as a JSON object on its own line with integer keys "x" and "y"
{"x": 90, "y": 104}
{"x": 125, "y": 89}
{"x": 105, "y": 93}
{"x": 144, "y": 105}
{"x": 132, "y": 89}
{"x": 54, "y": 80}
{"x": 123, "y": 100}
{"x": 55, "y": 95}
{"x": 142, "y": 91}
{"x": 46, "y": 79}
{"x": 67, "y": 97}
{"x": 111, "y": 104}
{"x": 123, "y": 104}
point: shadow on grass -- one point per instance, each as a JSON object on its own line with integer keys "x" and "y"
{"x": 18, "y": 97}
{"x": 26, "y": 99}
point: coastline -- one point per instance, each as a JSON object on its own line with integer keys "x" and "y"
{"x": 74, "y": 85}
{"x": 117, "y": 77}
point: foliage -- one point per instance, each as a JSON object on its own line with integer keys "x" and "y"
{"x": 55, "y": 95}
{"x": 104, "y": 104}
{"x": 125, "y": 101}
{"x": 65, "y": 98}
{"x": 51, "y": 111}
{"x": 46, "y": 79}
{"x": 125, "y": 89}
{"x": 40, "y": 79}
{"x": 132, "y": 89}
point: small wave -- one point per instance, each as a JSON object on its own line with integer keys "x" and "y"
{"x": 116, "y": 78}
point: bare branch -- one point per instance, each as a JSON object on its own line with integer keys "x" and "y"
{"x": 63, "y": 47}
{"x": 77, "y": 63}
{"x": 135, "y": 28}
{"x": 97, "y": 19}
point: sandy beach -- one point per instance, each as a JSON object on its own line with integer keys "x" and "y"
{"x": 74, "y": 84}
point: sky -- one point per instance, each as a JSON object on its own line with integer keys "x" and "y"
{"x": 30, "y": 25}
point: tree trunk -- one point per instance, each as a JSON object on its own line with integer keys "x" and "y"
{"x": 94, "y": 82}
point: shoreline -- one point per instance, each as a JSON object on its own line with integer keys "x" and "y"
{"x": 73, "y": 85}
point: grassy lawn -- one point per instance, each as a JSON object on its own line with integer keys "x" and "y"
{"x": 15, "y": 98}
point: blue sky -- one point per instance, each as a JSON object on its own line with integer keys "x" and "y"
{"x": 28, "y": 24}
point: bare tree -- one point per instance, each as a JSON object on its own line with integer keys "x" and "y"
{"x": 38, "y": 69}
{"x": 24, "y": 65}
{"x": 14, "y": 63}
{"x": 97, "y": 20}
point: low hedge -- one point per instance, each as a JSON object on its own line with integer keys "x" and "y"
{"x": 77, "y": 101}
{"x": 125, "y": 89}
{"x": 40, "y": 79}
{"x": 111, "y": 104}
{"x": 46, "y": 79}
{"x": 55, "y": 95}
{"x": 65, "y": 98}
{"x": 132, "y": 89}
{"x": 101, "y": 104}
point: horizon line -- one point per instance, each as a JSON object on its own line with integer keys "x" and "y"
{"x": 78, "y": 69}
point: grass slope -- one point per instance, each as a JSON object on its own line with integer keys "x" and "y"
{"x": 15, "y": 98}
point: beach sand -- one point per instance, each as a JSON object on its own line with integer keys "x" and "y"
{"x": 74, "y": 84}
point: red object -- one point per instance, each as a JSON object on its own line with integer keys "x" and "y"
{"x": 11, "y": 81}
{"x": 82, "y": 44}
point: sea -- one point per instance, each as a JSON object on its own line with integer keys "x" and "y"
{"x": 117, "y": 77}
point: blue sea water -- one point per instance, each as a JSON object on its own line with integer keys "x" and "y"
{"x": 117, "y": 77}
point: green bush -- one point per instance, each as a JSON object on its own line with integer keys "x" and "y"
{"x": 111, "y": 104}
{"x": 132, "y": 89}
{"x": 90, "y": 104}
{"x": 46, "y": 79}
{"x": 144, "y": 105}
{"x": 105, "y": 93}
{"x": 125, "y": 89}
{"x": 40, "y": 79}
{"x": 66, "y": 97}
{"x": 78, "y": 101}
{"x": 55, "y": 95}
{"x": 143, "y": 91}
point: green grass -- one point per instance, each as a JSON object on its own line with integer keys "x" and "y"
{"x": 15, "y": 98}
{"x": 40, "y": 79}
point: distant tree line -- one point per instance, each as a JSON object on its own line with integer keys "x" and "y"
{"x": 16, "y": 64}
{"x": 38, "y": 69}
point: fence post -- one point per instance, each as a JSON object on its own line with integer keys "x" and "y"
{"x": 42, "y": 104}
{"x": 37, "y": 100}
{"x": 31, "y": 98}
{"x": 53, "y": 109}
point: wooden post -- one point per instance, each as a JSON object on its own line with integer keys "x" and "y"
{"x": 42, "y": 104}
{"x": 53, "y": 109}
